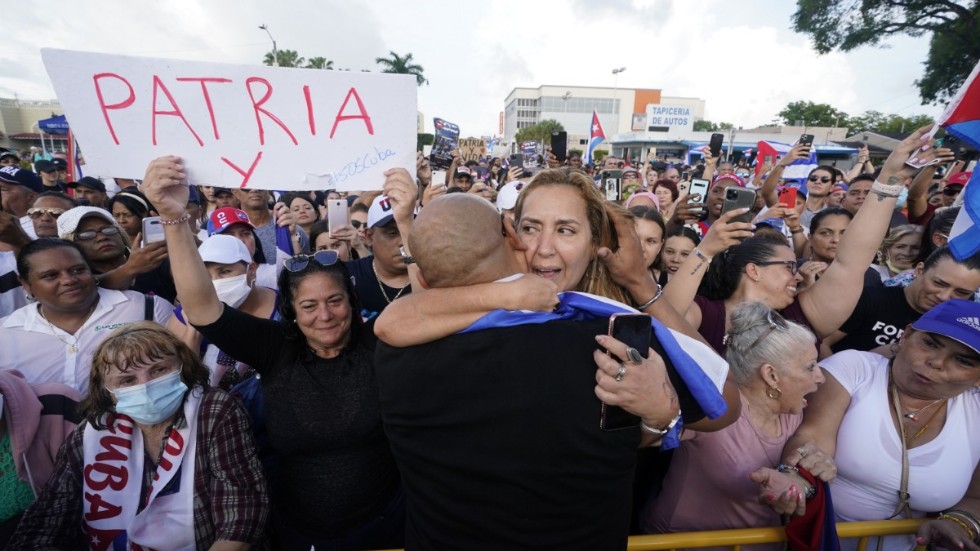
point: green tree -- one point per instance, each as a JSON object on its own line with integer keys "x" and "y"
{"x": 287, "y": 58}
{"x": 319, "y": 63}
{"x": 705, "y": 126}
{"x": 540, "y": 132}
{"x": 812, "y": 114}
{"x": 874, "y": 121}
{"x": 402, "y": 65}
{"x": 424, "y": 140}
{"x": 954, "y": 27}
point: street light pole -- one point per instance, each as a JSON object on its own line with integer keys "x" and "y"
{"x": 275, "y": 52}
{"x": 615, "y": 73}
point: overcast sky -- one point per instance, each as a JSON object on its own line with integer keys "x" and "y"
{"x": 741, "y": 57}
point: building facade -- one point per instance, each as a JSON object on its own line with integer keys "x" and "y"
{"x": 18, "y": 124}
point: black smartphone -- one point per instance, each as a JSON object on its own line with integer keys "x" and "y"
{"x": 517, "y": 160}
{"x": 715, "y": 144}
{"x": 738, "y": 198}
{"x": 635, "y": 331}
{"x": 685, "y": 176}
{"x": 559, "y": 145}
{"x": 953, "y": 143}
{"x": 806, "y": 140}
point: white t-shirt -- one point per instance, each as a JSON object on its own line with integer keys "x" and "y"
{"x": 42, "y": 352}
{"x": 869, "y": 450}
{"x": 12, "y": 295}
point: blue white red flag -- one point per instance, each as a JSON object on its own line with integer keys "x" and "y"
{"x": 962, "y": 119}
{"x": 596, "y": 136}
{"x": 797, "y": 170}
{"x": 284, "y": 245}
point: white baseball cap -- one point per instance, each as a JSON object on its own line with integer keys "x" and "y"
{"x": 507, "y": 196}
{"x": 224, "y": 249}
{"x": 69, "y": 220}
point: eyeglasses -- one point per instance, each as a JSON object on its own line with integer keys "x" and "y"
{"x": 356, "y": 223}
{"x": 790, "y": 265}
{"x": 776, "y": 322}
{"x": 87, "y": 235}
{"x": 300, "y": 262}
{"x": 630, "y": 176}
{"x": 38, "y": 212}
{"x": 824, "y": 179}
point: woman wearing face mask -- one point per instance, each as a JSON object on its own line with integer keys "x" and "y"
{"x": 162, "y": 460}
{"x": 233, "y": 276}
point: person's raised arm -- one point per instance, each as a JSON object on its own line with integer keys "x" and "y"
{"x": 683, "y": 286}
{"x": 402, "y": 192}
{"x": 918, "y": 201}
{"x": 163, "y": 186}
{"x": 858, "y": 167}
{"x": 768, "y": 189}
{"x": 830, "y": 301}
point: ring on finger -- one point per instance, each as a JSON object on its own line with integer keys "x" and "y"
{"x": 634, "y": 355}
{"x": 620, "y": 373}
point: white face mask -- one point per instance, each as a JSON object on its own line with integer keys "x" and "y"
{"x": 232, "y": 290}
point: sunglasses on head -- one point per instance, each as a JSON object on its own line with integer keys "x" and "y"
{"x": 87, "y": 235}
{"x": 824, "y": 179}
{"x": 300, "y": 262}
{"x": 38, "y": 212}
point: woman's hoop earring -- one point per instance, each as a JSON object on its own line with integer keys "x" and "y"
{"x": 774, "y": 392}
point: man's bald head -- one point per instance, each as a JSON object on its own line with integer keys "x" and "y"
{"x": 457, "y": 240}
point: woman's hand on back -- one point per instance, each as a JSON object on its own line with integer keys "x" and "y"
{"x": 163, "y": 186}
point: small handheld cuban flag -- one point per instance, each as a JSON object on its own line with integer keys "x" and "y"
{"x": 962, "y": 119}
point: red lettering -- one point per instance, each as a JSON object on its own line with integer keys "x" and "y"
{"x": 105, "y": 107}
{"x": 246, "y": 175}
{"x": 115, "y": 476}
{"x": 100, "y": 509}
{"x": 363, "y": 115}
{"x": 109, "y": 444}
{"x": 257, "y": 107}
{"x": 175, "y": 443}
{"x": 158, "y": 85}
{"x": 121, "y": 422}
{"x": 309, "y": 110}
{"x": 207, "y": 97}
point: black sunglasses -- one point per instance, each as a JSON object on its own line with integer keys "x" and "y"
{"x": 790, "y": 264}
{"x": 300, "y": 262}
{"x": 948, "y": 191}
{"x": 823, "y": 179}
{"x": 357, "y": 224}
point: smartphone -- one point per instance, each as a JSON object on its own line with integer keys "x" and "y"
{"x": 806, "y": 140}
{"x": 952, "y": 142}
{"x": 787, "y": 197}
{"x": 152, "y": 230}
{"x": 917, "y": 163}
{"x": 683, "y": 186}
{"x": 699, "y": 186}
{"x": 336, "y": 214}
{"x": 633, "y": 330}
{"x": 685, "y": 176}
{"x": 612, "y": 184}
{"x": 739, "y": 198}
{"x": 715, "y": 144}
{"x": 769, "y": 159}
{"x": 559, "y": 145}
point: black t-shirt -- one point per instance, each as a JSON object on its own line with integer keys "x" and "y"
{"x": 368, "y": 289}
{"x": 879, "y": 318}
{"x": 496, "y": 434}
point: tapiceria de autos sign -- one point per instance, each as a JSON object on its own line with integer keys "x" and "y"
{"x": 237, "y": 125}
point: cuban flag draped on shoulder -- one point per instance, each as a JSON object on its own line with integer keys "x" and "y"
{"x": 962, "y": 119}
{"x": 596, "y": 136}
{"x": 798, "y": 170}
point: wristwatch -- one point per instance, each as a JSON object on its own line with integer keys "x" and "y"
{"x": 406, "y": 258}
{"x": 665, "y": 430}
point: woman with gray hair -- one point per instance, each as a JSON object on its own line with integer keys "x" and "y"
{"x": 774, "y": 363}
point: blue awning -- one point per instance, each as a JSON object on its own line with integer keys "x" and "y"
{"x": 54, "y": 125}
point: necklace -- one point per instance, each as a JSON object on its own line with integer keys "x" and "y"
{"x": 382, "y": 287}
{"x": 912, "y": 412}
{"x": 911, "y": 416}
{"x": 72, "y": 345}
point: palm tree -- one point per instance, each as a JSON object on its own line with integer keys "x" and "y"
{"x": 401, "y": 65}
{"x": 287, "y": 58}
{"x": 319, "y": 63}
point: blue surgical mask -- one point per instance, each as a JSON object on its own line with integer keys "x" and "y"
{"x": 902, "y": 198}
{"x": 151, "y": 402}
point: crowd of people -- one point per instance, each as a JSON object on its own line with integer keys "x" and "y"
{"x": 432, "y": 365}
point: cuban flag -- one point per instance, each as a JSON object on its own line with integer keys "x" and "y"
{"x": 798, "y": 170}
{"x": 596, "y": 136}
{"x": 962, "y": 119}
{"x": 284, "y": 245}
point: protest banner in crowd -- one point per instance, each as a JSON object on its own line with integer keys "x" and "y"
{"x": 446, "y": 138}
{"x": 238, "y": 125}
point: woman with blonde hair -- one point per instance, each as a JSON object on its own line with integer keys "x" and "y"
{"x": 898, "y": 250}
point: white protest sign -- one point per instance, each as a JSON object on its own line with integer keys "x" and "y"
{"x": 237, "y": 125}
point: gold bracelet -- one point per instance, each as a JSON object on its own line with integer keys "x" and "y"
{"x": 175, "y": 221}
{"x": 962, "y": 524}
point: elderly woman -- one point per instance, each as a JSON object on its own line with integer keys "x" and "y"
{"x": 53, "y": 338}
{"x": 336, "y": 486}
{"x": 915, "y": 414}
{"x": 775, "y": 366}
{"x": 162, "y": 461}
{"x": 898, "y": 250}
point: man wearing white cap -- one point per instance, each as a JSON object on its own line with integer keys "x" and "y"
{"x": 507, "y": 198}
